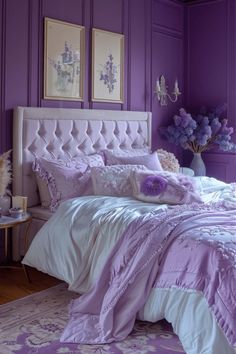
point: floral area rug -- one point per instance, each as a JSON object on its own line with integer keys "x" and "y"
{"x": 34, "y": 324}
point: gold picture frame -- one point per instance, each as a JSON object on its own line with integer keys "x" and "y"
{"x": 63, "y": 60}
{"x": 107, "y": 66}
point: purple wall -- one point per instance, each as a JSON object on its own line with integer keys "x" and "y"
{"x": 167, "y": 58}
{"x": 153, "y": 32}
{"x": 194, "y": 42}
{"x": 210, "y": 74}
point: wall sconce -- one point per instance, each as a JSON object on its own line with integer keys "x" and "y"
{"x": 162, "y": 93}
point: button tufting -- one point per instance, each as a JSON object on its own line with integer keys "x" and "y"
{"x": 41, "y": 131}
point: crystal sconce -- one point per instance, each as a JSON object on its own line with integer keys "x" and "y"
{"x": 162, "y": 93}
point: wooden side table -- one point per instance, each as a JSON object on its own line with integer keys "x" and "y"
{"x": 7, "y": 222}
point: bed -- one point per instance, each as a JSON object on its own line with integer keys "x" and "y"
{"x": 79, "y": 260}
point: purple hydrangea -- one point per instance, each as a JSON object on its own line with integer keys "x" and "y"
{"x": 201, "y": 132}
{"x": 153, "y": 185}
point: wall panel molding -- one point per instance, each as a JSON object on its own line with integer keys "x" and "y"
{"x": 231, "y": 60}
{"x": 126, "y": 32}
{"x": 30, "y": 16}
{"x": 173, "y": 19}
{"x": 167, "y": 31}
{"x": 188, "y": 60}
{"x": 86, "y": 22}
{"x": 195, "y": 3}
{"x": 219, "y": 165}
{"x": 40, "y": 52}
{"x": 148, "y": 56}
{"x": 167, "y": 34}
{"x": 4, "y": 133}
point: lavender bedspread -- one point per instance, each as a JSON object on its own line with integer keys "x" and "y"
{"x": 201, "y": 244}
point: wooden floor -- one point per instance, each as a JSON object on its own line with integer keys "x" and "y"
{"x": 14, "y": 285}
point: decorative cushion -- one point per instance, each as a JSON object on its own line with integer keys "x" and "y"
{"x": 113, "y": 180}
{"x": 93, "y": 160}
{"x": 60, "y": 180}
{"x": 168, "y": 161}
{"x": 164, "y": 187}
{"x": 110, "y": 154}
{"x": 150, "y": 161}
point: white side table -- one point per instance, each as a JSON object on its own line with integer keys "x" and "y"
{"x": 6, "y": 223}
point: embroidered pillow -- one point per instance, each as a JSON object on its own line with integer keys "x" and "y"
{"x": 93, "y": 160}
{"x": 150, "y": 161}
{"x": 164, "y": 187}
{"x": 113, "y": 180}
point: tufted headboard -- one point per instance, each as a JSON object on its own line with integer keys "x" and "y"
{"x": 65, "y": 133}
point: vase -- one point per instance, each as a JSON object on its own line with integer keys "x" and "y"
{"x": 5, "y": 204}
{"x": 197, "y": 165}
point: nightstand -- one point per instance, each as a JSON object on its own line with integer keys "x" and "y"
{"x": 6, "y": 223}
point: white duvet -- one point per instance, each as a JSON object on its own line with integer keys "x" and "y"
{"x": 73, "y": 246}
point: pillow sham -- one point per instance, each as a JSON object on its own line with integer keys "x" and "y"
{"x": 93, "y": 160}
{"x": 58, "y": 180}
{"x": 44, "y": 194}
{"x": 110, "y": 155}
{"x": 150, "y": 161}
{"x": 113, "y": 180}
{"x": 62, "y": 181}
{"x": 164, "y": 187}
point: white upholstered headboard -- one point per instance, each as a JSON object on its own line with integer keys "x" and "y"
{"x": 65, "y": 133}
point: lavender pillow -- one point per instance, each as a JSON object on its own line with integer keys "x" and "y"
{"x": 93, "y": 160}
{"x": 51, "y": 173}
{"x": 164, "y": 187}
{"x": 112, "y": 155}
{"x": 150, "y": 161}
{"x": 62, "y": 180}
{"x": 113, "y": 180}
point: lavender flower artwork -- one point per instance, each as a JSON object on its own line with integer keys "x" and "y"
{"x": 67, "y": 69}
{"x": 108, "y": 74}
{"x": 153, "y": 185}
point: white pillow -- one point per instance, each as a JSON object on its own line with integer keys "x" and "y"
{"x": 113, "y": 180}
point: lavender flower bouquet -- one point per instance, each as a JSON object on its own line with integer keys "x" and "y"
{"x": 202, "y": 132}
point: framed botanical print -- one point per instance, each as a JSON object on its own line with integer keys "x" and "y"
{"x": 107, "y": 66}
{"x": 63, "y": 60}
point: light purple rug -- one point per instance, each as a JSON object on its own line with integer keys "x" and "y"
{"x": 34, "y": 324}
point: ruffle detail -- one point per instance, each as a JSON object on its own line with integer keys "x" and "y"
{"x": 49, "y": 179}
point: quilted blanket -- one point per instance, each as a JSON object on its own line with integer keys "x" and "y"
{"x": 202, "y": 239}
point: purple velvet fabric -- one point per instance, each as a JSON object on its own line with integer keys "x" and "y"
{"x": 107, "y": 313}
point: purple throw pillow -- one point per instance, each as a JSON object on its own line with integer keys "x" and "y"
{"x": 164, "y": 187}
{"x": 150, "y": 161}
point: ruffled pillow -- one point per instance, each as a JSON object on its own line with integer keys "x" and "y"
{"x": 150, "y": 161}
{"x": 59, "y": 180}
{"x": 164, "y": 187}
{"x": 168, "y": 161}
{"x": 113, "y": 180}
